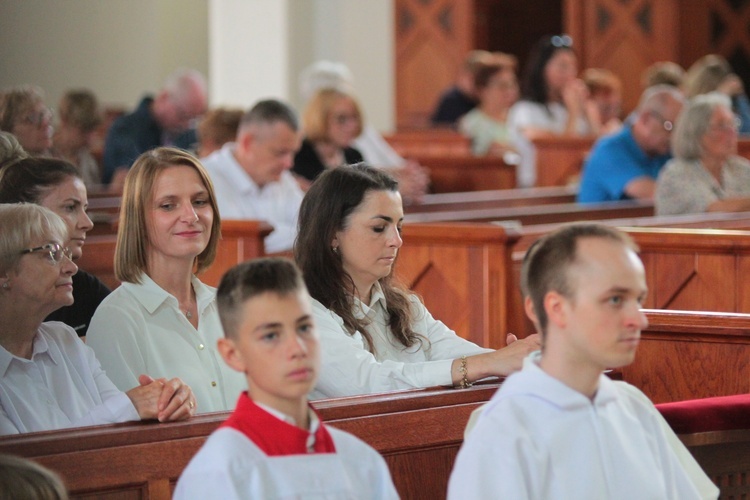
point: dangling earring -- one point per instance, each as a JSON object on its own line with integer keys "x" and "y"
{"x": 335, "y": 250}
{"x": 6, "y": 286}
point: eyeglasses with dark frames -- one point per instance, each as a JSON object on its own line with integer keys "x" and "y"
{"x": 56, "y": 252}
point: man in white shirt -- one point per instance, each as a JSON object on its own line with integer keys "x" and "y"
{"x": 251, "y": 176}
{"x": 560, "y": 428}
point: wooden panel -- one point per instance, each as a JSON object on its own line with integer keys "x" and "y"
{"x": 240, "y": 241}
{"x": 455, "y": 173}
{"x": 624, "y": 37}
{"x": 461, "y": 273}
{"x": 559, "y": 160}
{"x": 418, "y": 433}
{"x": 432, "y": 39}
{"x": 524, "y": 197}
{"x": 692, "y": 355}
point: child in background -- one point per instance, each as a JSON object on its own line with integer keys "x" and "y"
{"x": 274, "y": 445}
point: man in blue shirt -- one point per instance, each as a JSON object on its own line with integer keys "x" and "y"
{"x": 625, "y": 165}
{"x": 163, "y": 120}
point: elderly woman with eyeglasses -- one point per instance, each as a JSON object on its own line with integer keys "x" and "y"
{"x": 705, "y": 175}
{"x": 24, "y": 114}
{"x": 49, "y": 379}
{"x": 58, "y": 185}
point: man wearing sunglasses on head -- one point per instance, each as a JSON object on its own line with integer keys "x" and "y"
{"x": 625, "y": 165}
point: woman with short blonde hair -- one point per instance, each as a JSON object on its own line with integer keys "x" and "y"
{"x": 163, "y": 319}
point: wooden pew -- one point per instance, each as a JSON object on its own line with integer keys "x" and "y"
{"x": 418, "y": 433}
{"x": 241, "y": 240}
{"x": 523, "y": 197}
{"x": 461, "y": 273}
{"x": 559, "y": 160}
{"x": 545, "y": 214}
{"x": 433, "y": 141}
{"x": 688, "y": 268}
{"x": 466, "y": 172}
{"x": 692, "y": 355}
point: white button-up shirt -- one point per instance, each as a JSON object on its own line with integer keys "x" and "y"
{"x": 139, "y": 328}
{"x": 348, "y": 368}
{"x": 238, "y": 197}
{"x": 61, "y": 386}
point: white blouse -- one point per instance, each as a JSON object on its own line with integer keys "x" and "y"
{"x": 61, "y": 386}
{"x": 140, "y": 329}
{"x": 348, "y": 368}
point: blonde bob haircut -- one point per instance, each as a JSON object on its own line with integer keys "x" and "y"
{"x": 132, "y": 235}
{"x": 318, "y": 113}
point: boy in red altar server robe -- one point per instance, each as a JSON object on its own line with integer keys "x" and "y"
{"x": 274, "y": 445}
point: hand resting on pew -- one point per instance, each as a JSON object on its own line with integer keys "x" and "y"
{"x": 162, "y": 399}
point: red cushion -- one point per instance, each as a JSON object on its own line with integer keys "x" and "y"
{"x": 710, "y": 414}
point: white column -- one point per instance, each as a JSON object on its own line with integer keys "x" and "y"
{"x": 248, "y": 51}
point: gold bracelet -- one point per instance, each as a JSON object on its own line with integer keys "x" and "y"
{"x": 464, "y": 374}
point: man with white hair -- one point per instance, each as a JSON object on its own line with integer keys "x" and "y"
{"x": 162, "y": 120}
{"x": 625, "y": 165}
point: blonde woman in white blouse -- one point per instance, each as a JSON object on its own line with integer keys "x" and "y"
{"x": 162, "y": 319}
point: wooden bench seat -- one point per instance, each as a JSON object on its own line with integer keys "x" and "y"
{"x": 240, "y": 240}
{"x": 525, "y": 197}
{"x": 418, "y": 433}
{"x": 544, "y": 214}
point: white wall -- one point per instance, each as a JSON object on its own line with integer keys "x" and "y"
{"x": 249, "y": 49}
{"x": 117, "y": 48}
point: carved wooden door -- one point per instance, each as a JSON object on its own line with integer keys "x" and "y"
{"x": 624, "y": 36}
{"x": 432, "y": 38}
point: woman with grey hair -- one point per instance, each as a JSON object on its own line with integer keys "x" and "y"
{"x": 49, "y": 379}
{"x": 24, "y": 114}
{"x": 705, "y": 175}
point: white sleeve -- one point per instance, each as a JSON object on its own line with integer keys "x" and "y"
{"x": 213, "y": 483}
{"x": 112, "y": 335}
{"x": 115, "y": 407}
{"x": 6, "y": 424}
{"x": 375, "y": 150}
{"x": 348, "y": 369}
{"x": 495, "y": 464}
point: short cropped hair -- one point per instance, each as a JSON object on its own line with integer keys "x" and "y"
{"x": 80, "y": 108}
{"x": 663, "y": 73}
{"x": 220, "y": 125}
{"x": 132, "y": 235}
{"x": 486, "y": 71}
{"x": 655, "y": 99}
{"x": 16, "y": 102}
{"x": 250, "y": 279}
{"x": 23, "y": 479}
{"x": 601, "y": 81}
{"x": 180, "y": 84}
{"x": 25, "y": 224}
{"x": 29, "y": 179}
{"x": 546, "y": 264}
{"x": 318, "y": 111}
{"x": 268, "y": 112}
{"x": 693, "y": 123}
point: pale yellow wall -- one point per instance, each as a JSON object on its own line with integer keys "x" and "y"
{"x": 117, "y": 48}
{"x": 123, "y": 48}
